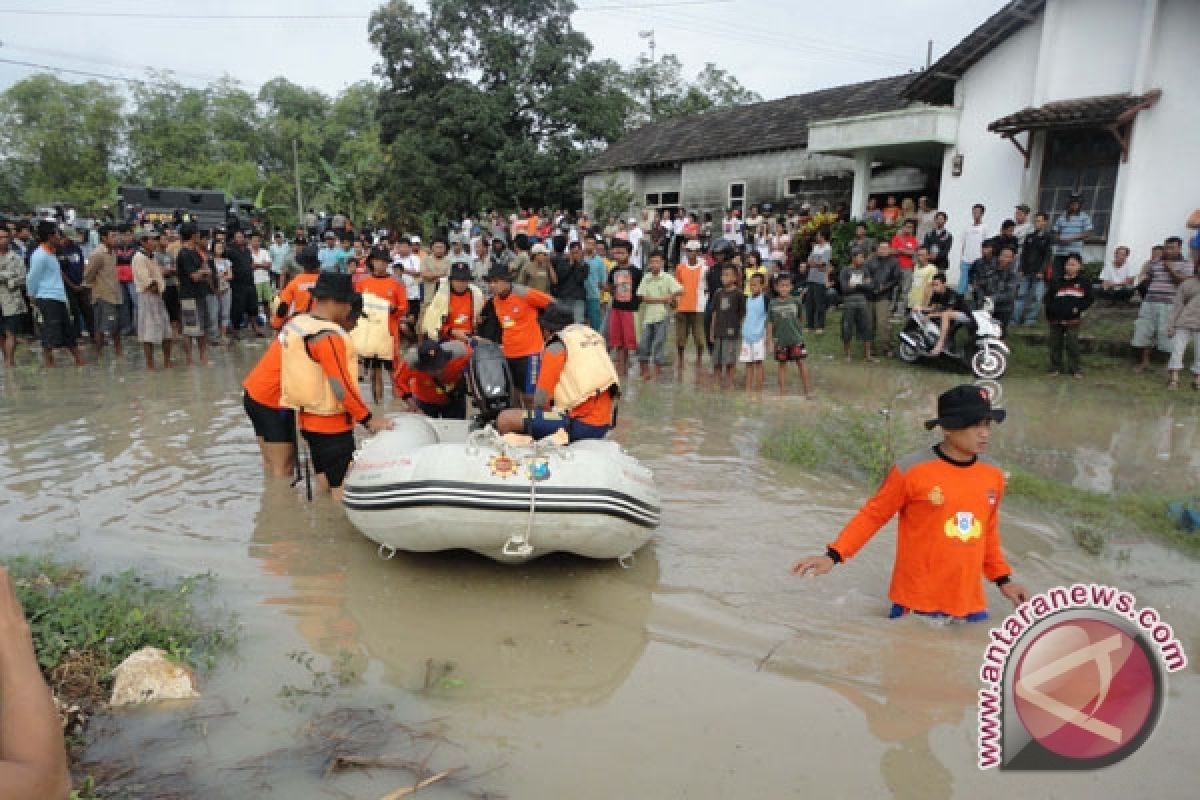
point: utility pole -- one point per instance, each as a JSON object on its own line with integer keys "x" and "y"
{"x": 929, "y": 54}
{"x": 296, "y": 170}
{"x": 653, "y": 82}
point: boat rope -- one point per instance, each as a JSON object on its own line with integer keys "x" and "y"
{"x": 518, "y": 545}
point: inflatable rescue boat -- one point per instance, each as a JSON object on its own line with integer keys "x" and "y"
{"x": 434, "y": 484}
{"x": 431, "y": 484}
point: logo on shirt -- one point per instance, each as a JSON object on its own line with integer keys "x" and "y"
{"x": 936, "y": 497}
{"x": 963, "y": 526}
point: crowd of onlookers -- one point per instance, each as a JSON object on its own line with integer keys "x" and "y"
{"x": 202, "y": 288}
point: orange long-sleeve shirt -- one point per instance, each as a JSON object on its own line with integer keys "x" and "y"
{"x": 430, "y": 388}
{"x": 596, "y": 410}
{"x": 297, "y": 296}
{"x": 518, "y": 316}
{"x": 330, "y": 353}
{"x": 388, "y": 289}
{"x": 949, "y": 535}
{"x": 264, "y": 383}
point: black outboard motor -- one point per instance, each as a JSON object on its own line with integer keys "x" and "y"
{"x": 489, "y": 381}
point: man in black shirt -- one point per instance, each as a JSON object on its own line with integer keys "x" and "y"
{"x": 1036, "y": 253}
{"x": 946, "y": 307}
{"x": 939, "y": 241}
{"x": 571, "y": 287}
{"x": 243, "y": 298}
{"x": 195, "y": 289}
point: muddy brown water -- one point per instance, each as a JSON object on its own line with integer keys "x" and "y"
{"x": 704, "y": 671}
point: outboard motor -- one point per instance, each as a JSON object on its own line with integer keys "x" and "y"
{"x": 489, "y": 381}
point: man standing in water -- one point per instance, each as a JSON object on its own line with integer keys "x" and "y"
{"x": 319, "y": 379}
{"x": 948, "y": 499}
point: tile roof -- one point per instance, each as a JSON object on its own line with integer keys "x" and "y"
{"x": 936, "y": 84}
{"x": 1079, "y": 112}
{"x": 760, "y": 127}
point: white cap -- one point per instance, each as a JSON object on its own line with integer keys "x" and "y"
{"x": 414, "y": 239}
{"x": 633, "y": 220}
{"x": 693, "y": 245}
{"x": 539, "y": 248}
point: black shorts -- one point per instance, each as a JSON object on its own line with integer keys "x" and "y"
{"x": 331, "y": 455}
{"x": 795, "y": 352}
{"x": 525, "y": 372}
{"x": 170, "y": 298}
{"x": 11, "y": 323}
{"x": 274, "y": 425}
{"x": 57, "y": 328}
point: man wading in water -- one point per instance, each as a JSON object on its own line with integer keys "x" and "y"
{"x": 949, "y": 505}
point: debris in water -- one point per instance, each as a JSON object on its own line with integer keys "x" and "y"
{"x": 147, "y": 676}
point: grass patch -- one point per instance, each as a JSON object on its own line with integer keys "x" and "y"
{"x": 83, "y": 628}
{"x": 1097, "y": 518}
{"x": 850, "y": 442}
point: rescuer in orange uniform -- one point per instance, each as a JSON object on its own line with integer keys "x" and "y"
{"x": 948, "y": 499}
{"x": 430, "y": 380}
{"x": 295, "y": 297}
{"x": 319, "y": 379}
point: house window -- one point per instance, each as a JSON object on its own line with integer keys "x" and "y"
{"x": 1085, "y": 162}
{"x": 795, "y": 186}
{"x": 737, "y": 195}
{"x": 670, "y": 198}
{"x": 652, "y": 200}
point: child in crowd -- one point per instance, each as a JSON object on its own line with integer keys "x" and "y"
{"x": 754, "y": 334}
{"x": 753, "y": 266}
{"x": 729, "y": 306}
{"x": 784, "y": 335}
{"x": 856, "y": 286}
{"x": 658, "y": 292}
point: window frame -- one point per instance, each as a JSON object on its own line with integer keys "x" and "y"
{"x": 736, "y": 202}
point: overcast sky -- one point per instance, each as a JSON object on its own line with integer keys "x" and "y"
{"x": 774, "y": 48}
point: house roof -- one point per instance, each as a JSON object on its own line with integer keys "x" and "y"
{"x": 936, "y": 84}
{"x": 759, "y": 127}
{"x": 1080, "y": 112}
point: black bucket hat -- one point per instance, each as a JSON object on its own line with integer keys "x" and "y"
{"x": 338, "y": 286}
{"x": 964, "y": 406}
{"x": 431, "y": 356}
{"x": 554, "y": 318}
{"x": 460, "y": 271}
{"x": 499, "y": 272}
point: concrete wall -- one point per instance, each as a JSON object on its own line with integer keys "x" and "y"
{"x": 1091, "y": 48}
{"x": 993, "y": 170}
{"x": 1157, "y": 187}
{"x": 706, "y": 183}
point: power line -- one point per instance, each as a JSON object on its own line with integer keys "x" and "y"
{"x": 106, "y": 62}
{"x": 41, "y": 12}
{"x": 70, "y": 71}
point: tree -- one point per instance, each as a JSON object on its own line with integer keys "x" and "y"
{"x": 490, "y": 103}
{"x": 613, "y": 199}
{"x": 58, "y": 141}
{"x": 659, "y": 91}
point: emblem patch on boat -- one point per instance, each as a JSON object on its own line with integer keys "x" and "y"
{"x": 538, "y": 469}
{"x": 503, "y": 466}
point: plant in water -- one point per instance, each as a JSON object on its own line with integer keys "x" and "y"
{"x": 342, "y": 672}
{"x": 849, "y": 442}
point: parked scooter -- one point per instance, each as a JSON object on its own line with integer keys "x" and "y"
{"x": 985, "y": 354}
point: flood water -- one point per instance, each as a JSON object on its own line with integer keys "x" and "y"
{"x": 704, "y": 671}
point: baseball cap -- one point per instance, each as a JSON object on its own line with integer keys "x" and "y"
{"x": 1023, "y": 207}
{"x": 539, "y": 248}
{"x": 693, "y": 245}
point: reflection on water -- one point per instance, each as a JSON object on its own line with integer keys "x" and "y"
{"x": 705, "y": 671}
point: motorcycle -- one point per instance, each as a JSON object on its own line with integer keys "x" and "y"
{"x": 986, "y": 354}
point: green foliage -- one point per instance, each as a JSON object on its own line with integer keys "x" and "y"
{"x": 843, "y": 233}
{"x": 342, "y": 672}
{"x": 57, "y": 141}
{"x": 614, "y": 198}
{"x": 114, "y": 615}
{"x": 490, "y": 104}
{"x": 658, "y": 90}
{"x": 850, "y": 442}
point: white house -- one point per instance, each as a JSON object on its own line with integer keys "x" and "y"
{"x": 1045, "y": 98}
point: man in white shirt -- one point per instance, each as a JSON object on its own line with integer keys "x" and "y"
{"x": 635, "y": 242}
{"x": 1119, "y": 278}
{"x": 261, "y": 258}
{"x": 972, "y": 248}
